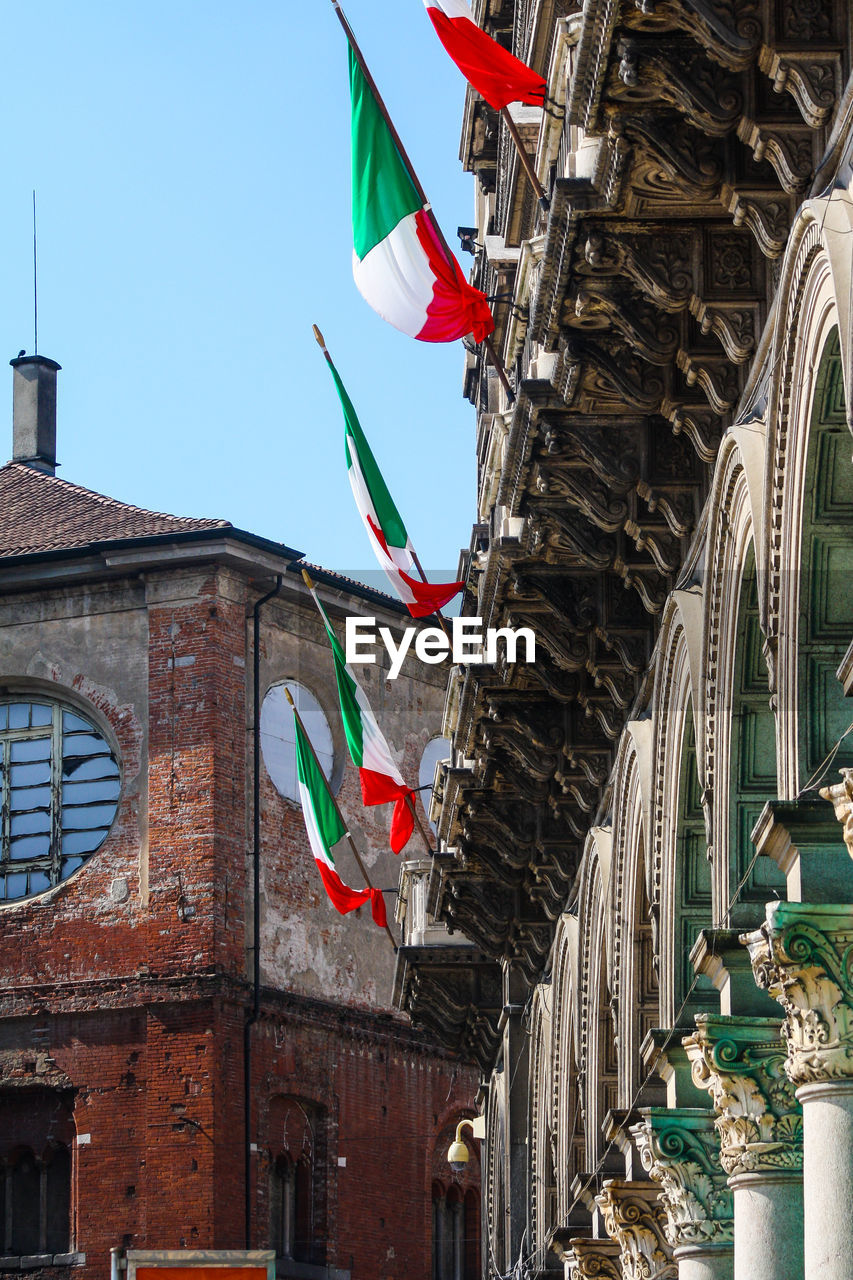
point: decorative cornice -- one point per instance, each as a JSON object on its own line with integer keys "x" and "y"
{"x": 741, "y": 1062}
{"x": 803, "y": 955}
{"x": 634, "y": 1218}
{"x": 680, "y": 1149}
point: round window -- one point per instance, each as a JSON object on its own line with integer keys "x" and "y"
{"x": 278, "y": 739}
{"x": 436, "y": 749}
{"x": 60, "y": 786}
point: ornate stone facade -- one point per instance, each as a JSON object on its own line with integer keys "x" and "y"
{"x": 666, "y": 499}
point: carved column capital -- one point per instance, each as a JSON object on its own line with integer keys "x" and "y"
{"x": 635, "y": 1220}
{"x": 680, "y": 1149}
{"x": 593, "y": 1260}
{"x": 741, "y": 1062}
{"x": 803, "y": 955}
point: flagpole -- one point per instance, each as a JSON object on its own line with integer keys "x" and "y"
{"x": 321, "y": 343}
{"x": 527, "y": 164}
{"x": 310, "y": 584}
{"x": 448, "y": 252}
{"x": 344, "y": 824}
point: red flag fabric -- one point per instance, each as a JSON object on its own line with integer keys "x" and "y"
{"x": 493, "y": 71}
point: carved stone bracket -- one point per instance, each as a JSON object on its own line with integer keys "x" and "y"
{"x": 680, "y": 1149}
{"x": 741, "y": 1062}
{"x": 803, "y": 955}
{"x": 634, "y": 1218}
{"x": 812, "y": 79}
{"x": 840, "y": 796}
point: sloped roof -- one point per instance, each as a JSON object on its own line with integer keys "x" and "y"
{"x": 40, "y": 512}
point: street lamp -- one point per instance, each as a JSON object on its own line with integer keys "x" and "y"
{"x": 457, "y": 1156}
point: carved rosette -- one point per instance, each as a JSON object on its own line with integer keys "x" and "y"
{"x": 803, "y": 955}
{"x": 741, "y": 1062}
{"x": 680, "y": 1149}
{"x": 593, "y": 1260}
{"x": 634, "y": 1218}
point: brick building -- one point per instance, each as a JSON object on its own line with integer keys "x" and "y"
{"x": 136, "y": 651}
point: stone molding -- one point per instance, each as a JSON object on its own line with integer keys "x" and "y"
{"x": 634, "y": 1218}
{"x": 741, "y": 1062}
{"x": 803, "y": 955}
{"x": 680, "y": 1149}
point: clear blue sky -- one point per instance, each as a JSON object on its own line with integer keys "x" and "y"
{"x": 191, "y": 162}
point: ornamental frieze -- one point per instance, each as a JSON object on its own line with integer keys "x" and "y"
{"x": 741, "y": 1062}
{"x": 680, "y": 1149}
{"x": 803, "y": 955}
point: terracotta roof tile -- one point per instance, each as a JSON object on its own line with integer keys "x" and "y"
{"x": 40, "y": 512}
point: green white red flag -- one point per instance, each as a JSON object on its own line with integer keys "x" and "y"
{"x": 381, "y": 780}
{"x": 399, "y": 262}
{"x": 385, "y": 528}
{"x": 325, "y": 828}
{"x": 493, "y": 71}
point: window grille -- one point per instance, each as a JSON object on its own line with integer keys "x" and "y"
{"x": 59, "y": 783}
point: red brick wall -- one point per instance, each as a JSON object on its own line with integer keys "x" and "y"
{"x": 138, "y": 1005}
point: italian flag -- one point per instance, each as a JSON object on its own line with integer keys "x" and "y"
{"x": 383, "y": 522}
{"x": 325, "y": 828}
{"x": 381, "y": 780}
{"x": 399, "y": 264}
{"x": 493, "y": 71}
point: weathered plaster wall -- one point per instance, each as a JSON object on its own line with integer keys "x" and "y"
{"x": 306, "y": 946}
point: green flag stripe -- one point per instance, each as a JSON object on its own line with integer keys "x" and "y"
{"x": 383, "y": 192}
{"x": 350, "y": 712}
{"x": 329, "y": 822}
{"x": 390, "y": 520}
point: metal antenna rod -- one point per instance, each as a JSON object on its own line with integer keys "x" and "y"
{"x": 35, "y": 283}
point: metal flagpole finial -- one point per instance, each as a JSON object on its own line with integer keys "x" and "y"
{"x": 307, "y": 580}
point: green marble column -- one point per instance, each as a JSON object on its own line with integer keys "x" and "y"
{"x": 803, "y": 955}
{"x": 741, "y": 1062}
{"x": 680, "y": 1150}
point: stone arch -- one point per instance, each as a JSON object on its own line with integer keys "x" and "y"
{"x": 634, "y": 976}
{"x": 567, "y": 1096}
{"x": 680, "y": 877}
{"x": 596, "y": 1053}
{"x": 812, "y": 302}
{"x": 732, "y": 654}
{"x": 542, "y": 1135}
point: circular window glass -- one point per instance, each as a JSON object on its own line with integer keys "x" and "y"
{"x": 278, "y": 738}
{"x": 60, "y": 786}
{"x": 436, "y": 749}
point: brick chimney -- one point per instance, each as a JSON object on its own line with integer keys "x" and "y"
{"x": 34, "y": 412}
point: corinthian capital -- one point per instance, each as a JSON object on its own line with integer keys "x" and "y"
{"x": 593, "y": 1260}
{"x": 635, "y": 1220}
{"x": 803, "y": 955}
{"x": 680, "y": 1149}
{"x": 741, "y": 1062}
